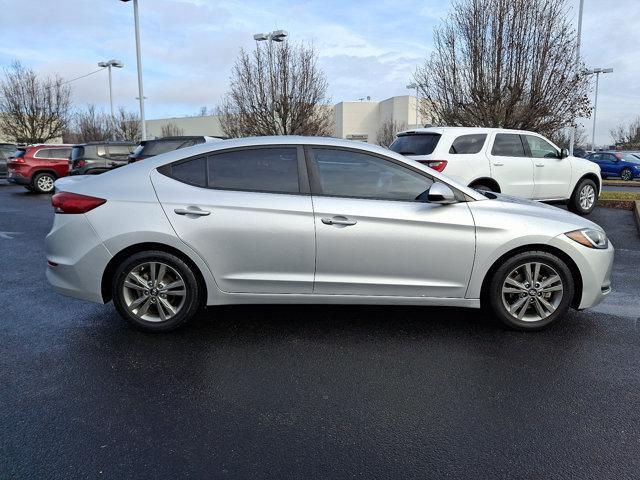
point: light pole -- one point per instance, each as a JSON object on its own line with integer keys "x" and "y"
{"x": 411, "y": 86}
{"x": 139, "y": 63}
{"x": 596, "y": 72}
{"x": 109, "y": 64}
{"x": 572, "y": 136}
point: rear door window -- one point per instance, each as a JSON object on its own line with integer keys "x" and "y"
{"x": 468, "y": 144}
{"x": 508, "y": 145}
{"x": 415, "y": 144}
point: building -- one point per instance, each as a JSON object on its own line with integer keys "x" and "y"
{"x": 354, "y": 120}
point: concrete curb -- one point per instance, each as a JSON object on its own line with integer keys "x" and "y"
{"x": 636, "y": 214}
{"x": 621, "y": 183}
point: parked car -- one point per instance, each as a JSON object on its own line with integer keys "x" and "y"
{"x": 314, "y": 220}
{"x": 98, "y": 157}
{"x": 6, "y": 150}
{"x": 36, "y": 167}
{"x": 151, "y": 148}
{"x": 617, "y": 164}
{"x": 513, "y": 162}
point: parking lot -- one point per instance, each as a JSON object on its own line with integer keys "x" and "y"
{"x": 311, "y": 391}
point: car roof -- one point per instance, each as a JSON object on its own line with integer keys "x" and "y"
{"x": 461, "y": 130}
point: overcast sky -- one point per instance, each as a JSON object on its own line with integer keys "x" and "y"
{"x": 365, "y": 48}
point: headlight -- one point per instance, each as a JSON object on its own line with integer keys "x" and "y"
{"x": 589, "y": 237}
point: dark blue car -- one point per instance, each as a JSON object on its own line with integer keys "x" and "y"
{"x": 617, "y": 164}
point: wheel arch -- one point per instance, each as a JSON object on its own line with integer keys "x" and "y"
{"x": 573, "y": 268}
{"x": 44, "y": 170}
{"x": 490, "y": 182}
{"x": 589, "y": 176}
{"x": 110, "y": 269}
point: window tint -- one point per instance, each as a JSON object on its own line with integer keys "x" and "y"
{"x": 193, "y": 172}
{"x": 415, "y": 144}
{"x": 161, "y": 146}
{"x": 42, "y": 153}
{"x": 77, "y": 152}
{"x": 467, "y": 144}
{"x": 352, "y": 174}
{"x": 540, "y": 148}
{"x": 264, "y": 169}
{"x": 507, "y": 145}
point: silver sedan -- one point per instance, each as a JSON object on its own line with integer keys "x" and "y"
{"x": 314, "y": 220}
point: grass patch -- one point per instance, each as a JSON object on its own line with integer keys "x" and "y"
{"x": 619, "y": 196}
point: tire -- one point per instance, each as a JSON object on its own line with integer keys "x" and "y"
{"x": 534, "y": 300}
{"x": 43, "y": 182}
{"x": 584, "y": 197}
{"x": 482, "y": 186}
{"x": 141, "y": 291}
{"x": 626, "y": 174}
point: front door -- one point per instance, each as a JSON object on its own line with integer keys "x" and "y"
{"x": 374, "y": 238}
{"x": 510, "y": 166}
{"x": 552, "y": 174}
{"x": 247, "y": 213}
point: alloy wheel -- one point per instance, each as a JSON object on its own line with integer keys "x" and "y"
{"x": 587, "y": 197}
{"x": 626, "y": 175}
{"x": 532, "y": 291}
{"x": 154, "y": 291}
{"x": 45, "y": 183}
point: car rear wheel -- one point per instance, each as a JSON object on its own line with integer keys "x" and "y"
{"x": 155, "y": 291}
{"x": 584, "y": 197}
{"x": 531, "y": 291}
{"x": 626, "y": 174}
{"x": 43, "y": 182}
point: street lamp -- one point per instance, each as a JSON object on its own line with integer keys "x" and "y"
{"x": 572, "y": 136}
{"x": 596, "y": 72}
{"x": 139, "y": 63}
{"x": 109, "y": 64}
{"x": 275, "y": 36}
{"x": 411, "y": 86}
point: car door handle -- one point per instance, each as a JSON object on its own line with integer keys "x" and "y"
{"x": 539, "y": 164}
{"x": 498, "y": 164}
{"x": 338, "y": 220}
{"x": 192, "y": 211}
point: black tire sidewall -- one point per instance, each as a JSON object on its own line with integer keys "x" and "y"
{"x": 495, "y": 290}
{"x": 192, "y": 297}
{"x": 481, "y": 186}
{"x": 37, "y": 177}
{"x": 574, "y": 202}
{"x": 629, "y": 172}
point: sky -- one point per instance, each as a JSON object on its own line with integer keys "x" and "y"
{"x": 365, "y": 48}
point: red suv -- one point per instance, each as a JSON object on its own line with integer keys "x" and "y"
{"x": 36, "y": 167}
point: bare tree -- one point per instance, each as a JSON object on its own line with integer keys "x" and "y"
{"x": 277, "y": 90}
{"x": 562, "y": 138}
{"x": 505, "y": 63}
{"x": 33, "y": 109}
{"x": 127, "y": 125}
{"x": 387, "y": 132}
{"x": 171, "y": 130}
{"x": 627, "y": 135}
{"x": 92, "y": 125}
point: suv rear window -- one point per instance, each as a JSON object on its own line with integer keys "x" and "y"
{"x": 468, "y": 144}
{"x": 19, "y": 153}
{"x": 415, "y": 143}
{"x": 163, "y": 146}
{"x": 77, "y": 152}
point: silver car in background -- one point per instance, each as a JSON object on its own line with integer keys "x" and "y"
{"x": 314, "y": 220}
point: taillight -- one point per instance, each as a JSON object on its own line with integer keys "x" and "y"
{"x": 66, "y": 202}
{"x": 437, "y": 165}
{"x": 17, "y": 160}
{"x": 79, "y": 163}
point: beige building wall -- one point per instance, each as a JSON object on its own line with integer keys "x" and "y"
{"x": 357, "y": 120}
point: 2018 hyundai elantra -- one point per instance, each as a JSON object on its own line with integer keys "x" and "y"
{"x": 314, "y": 220}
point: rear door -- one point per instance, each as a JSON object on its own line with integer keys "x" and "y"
{"x": 552, "y": 174}
{"x": 510, "y": 165}
{"x": 248, "y": 213}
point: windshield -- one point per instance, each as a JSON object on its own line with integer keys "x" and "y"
{"x": 631, "y": 158}
{"x": 415, "y": 144}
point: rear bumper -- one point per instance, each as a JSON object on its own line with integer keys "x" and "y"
{"x": 18, "y": 179}
{"x": 76, "y": 272}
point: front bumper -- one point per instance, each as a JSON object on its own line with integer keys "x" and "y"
{"x": 595, "y": 269}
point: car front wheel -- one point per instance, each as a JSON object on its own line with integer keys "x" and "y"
{"x": 584, "y": 197}
{"x": 531, "y": 291}
{"x": 155, "y": 291}
{"x": 626, "y": 174}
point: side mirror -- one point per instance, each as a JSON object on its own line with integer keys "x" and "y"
{"x": 440, "y": 193}
{"x": 564, "y": 153}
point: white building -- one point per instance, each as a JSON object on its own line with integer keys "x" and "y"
{"x": 354, "y": 120}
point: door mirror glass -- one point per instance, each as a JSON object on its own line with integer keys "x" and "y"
{"x": 439, "y": 193}
{"x": 564, "y": 153}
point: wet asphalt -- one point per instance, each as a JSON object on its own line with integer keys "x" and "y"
{"x": 311, "y": 391}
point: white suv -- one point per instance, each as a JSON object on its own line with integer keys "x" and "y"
{"x": 513, "y": 162}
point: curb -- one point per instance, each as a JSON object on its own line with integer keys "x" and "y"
{"x": 621, "y": 183}
{"x": 636, "y": 214}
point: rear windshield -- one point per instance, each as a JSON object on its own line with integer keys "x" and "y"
{"x": 156, "y": 148}
{"x": 77, "y": 152}
{"x": 19, "y": 153}
{"x": 415, "y": 144}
